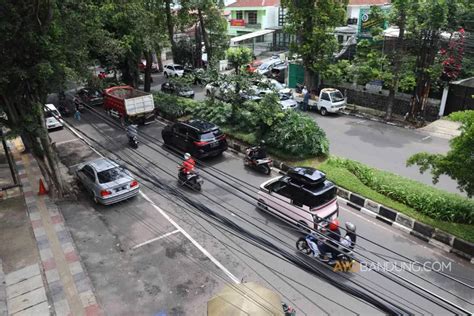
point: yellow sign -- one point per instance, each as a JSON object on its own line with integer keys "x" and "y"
{"x": 346, "y": 266}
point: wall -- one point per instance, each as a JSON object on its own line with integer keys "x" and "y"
{"x": 356, "y": 95}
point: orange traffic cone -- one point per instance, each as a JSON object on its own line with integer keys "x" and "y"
{"x": 42, "y": 189}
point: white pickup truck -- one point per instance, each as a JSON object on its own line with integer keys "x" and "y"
{"x": 330, "y": 100}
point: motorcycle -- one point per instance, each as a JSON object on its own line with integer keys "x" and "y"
{"x": 133, "y": 142}
{"x": 263, "y": 165}
{"x": 308, "y": 246}
{"x": 191, "y": 180}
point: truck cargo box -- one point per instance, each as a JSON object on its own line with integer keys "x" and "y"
{"x": 132, "y": 104}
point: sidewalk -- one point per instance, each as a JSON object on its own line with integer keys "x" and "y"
{"x": 67, "y": 287}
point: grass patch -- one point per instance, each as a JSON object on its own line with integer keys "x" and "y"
{"x": 347, "y": 180}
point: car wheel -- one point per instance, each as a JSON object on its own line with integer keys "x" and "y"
{"x": 303, "y": 246}
{"x": 265, "y": 169}
{"x": 94, "y": 198}
{"x": 303, "y": 227}
{"x": 323, "y": 111}
{"x": 208, "y": 93}
{"x": 166, "y": 74}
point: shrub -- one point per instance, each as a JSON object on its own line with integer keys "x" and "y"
{"x": 466, "y": 117}
{"x": 298, "y": 135}
{"x": 172, "y": 107}
{"x": 214, "y": 111}
{"x": 430, "y": 201}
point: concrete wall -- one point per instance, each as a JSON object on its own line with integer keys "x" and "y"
{"x": 374, "y": 100}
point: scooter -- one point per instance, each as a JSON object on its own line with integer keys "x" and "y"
{"x": 133, "y": 142}
{"x": 262, "y": 165}
{"x": 308, "y": 246}
{"x": 191, "y": 180}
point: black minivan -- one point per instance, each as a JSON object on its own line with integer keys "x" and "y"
{"x": 201, "y": 139}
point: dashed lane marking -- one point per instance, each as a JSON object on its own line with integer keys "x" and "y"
{"x": 67, "y": 141}
{"x": 155, "y": 239}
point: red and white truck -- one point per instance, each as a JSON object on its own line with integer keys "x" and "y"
{"x": 131, "y": 105}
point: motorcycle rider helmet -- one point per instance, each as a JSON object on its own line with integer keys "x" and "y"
{"x": 333, "y": 225}
{"x": 187, "y": 156}
{"x": 350, "y": 227}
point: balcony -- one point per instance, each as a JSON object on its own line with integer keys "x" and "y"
{"x": 240, "y": 23}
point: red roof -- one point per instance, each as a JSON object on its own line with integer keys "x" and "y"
{"x": 368, "y": 2}
{"x": 254, "y": 3}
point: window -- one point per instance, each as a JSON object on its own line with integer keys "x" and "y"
{"x": 211, "y": 135}
{"x": 109, "y": 175}
{"x": 180, "y": 129}
{"x": 252, "y": 17}
{"x": 51, "y": 113}
{"x": 239, "y": 15}
{"x": 340, "y": 39}
{"x": 318, "y": 200}
{"x": 337, "y": 96}
{"x": 276, "y": 186}
{"x": 260, "y": 39}
{"x": 325, "y": 96}
{"x": 89, "y": 172}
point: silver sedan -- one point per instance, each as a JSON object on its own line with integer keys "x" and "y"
{"x": 106, "y": 181}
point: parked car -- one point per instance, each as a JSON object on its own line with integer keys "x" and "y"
{"x": 253, "y": 66}
{"x": 330, "y": 101}
{"x": 173, "y": 70}
{"x": 278, "y": 73}
{"x": 177, "y": 89}
{"x": 265, "y": 86}
{"x": 142, "y": 66}
{"x": 88, "y": 97}
{"x": 53, "y": 118}
{"x": 269, "y": 65}
{"x": 287, "y": 103}
{"x": 106, "y": 181}
{"x": 303, "y": 196}
{"x": 199, "y": 138}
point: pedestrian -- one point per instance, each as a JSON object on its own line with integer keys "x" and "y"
{"x": 77, "y": 114}
{"x": 305, "y": 98}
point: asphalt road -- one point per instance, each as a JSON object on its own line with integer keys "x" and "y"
{"x": 376, "y": 144}
{"x": 190, "y": 256}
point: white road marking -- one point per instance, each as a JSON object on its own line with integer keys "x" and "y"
{"x": 191, "y": 239}
{"x": 179, "y": 228}
{"x": 426, "y": 138}
{"x": 67, "y": 141}
{"x": 155, "y": 239}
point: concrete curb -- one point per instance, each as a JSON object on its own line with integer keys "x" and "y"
{"x": 431, "y": 235}
{"x": 3, "y": 293}
{"x": 51, "y": 234}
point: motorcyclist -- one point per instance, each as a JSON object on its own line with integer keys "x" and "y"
{"x": 188, "y": 164}
{"x": 132, "y": 131}
{"x": 349, "y": 240}
{"x": 258, "y": 152}
{"x": 331, "y": 244}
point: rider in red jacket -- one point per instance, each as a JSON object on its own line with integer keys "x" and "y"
{"x": 188, "y": 164}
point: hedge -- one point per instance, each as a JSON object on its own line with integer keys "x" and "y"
{"x": 172, "y": 107}
{"x": 434, "y": 203}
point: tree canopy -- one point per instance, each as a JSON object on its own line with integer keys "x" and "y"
{"x": 458, "y": 163}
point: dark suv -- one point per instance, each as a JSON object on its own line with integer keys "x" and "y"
{"x": 199, "y": 138}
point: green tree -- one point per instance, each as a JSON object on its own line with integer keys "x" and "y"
{"x": 458, "y": 163}
{"x": 239, "y": 56}
{"x": 312, "y": 23}
{"x": 43, "y": 43}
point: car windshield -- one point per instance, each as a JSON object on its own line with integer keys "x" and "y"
{"x": 178, "y": 68}
{"x": 110, "y": 175}
{"x": 183, "y": 88}
{"x": 264, "y": 66}
{"x": 210, "y": 135}
{"x": 321, "y": 199}
{"x": 337, "y": 96}
{"x": 278, "y": 86}
{"x": 51, "y": 113}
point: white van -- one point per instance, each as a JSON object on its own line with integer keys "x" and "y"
{"x": 303, "y": 196}
{"x": 52, "y": 117}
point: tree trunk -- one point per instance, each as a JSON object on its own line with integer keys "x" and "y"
{"x": 170, "y": 25}
{"x": 205, "y": 37}
{"x": 159, "y": 60}
{"x": 397, "y": 63}
{"x": 149, "y": 62}
{"x": 425, "y": 60}
{"x": 197, "y": 33}
{"x": 310, "y": 79}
